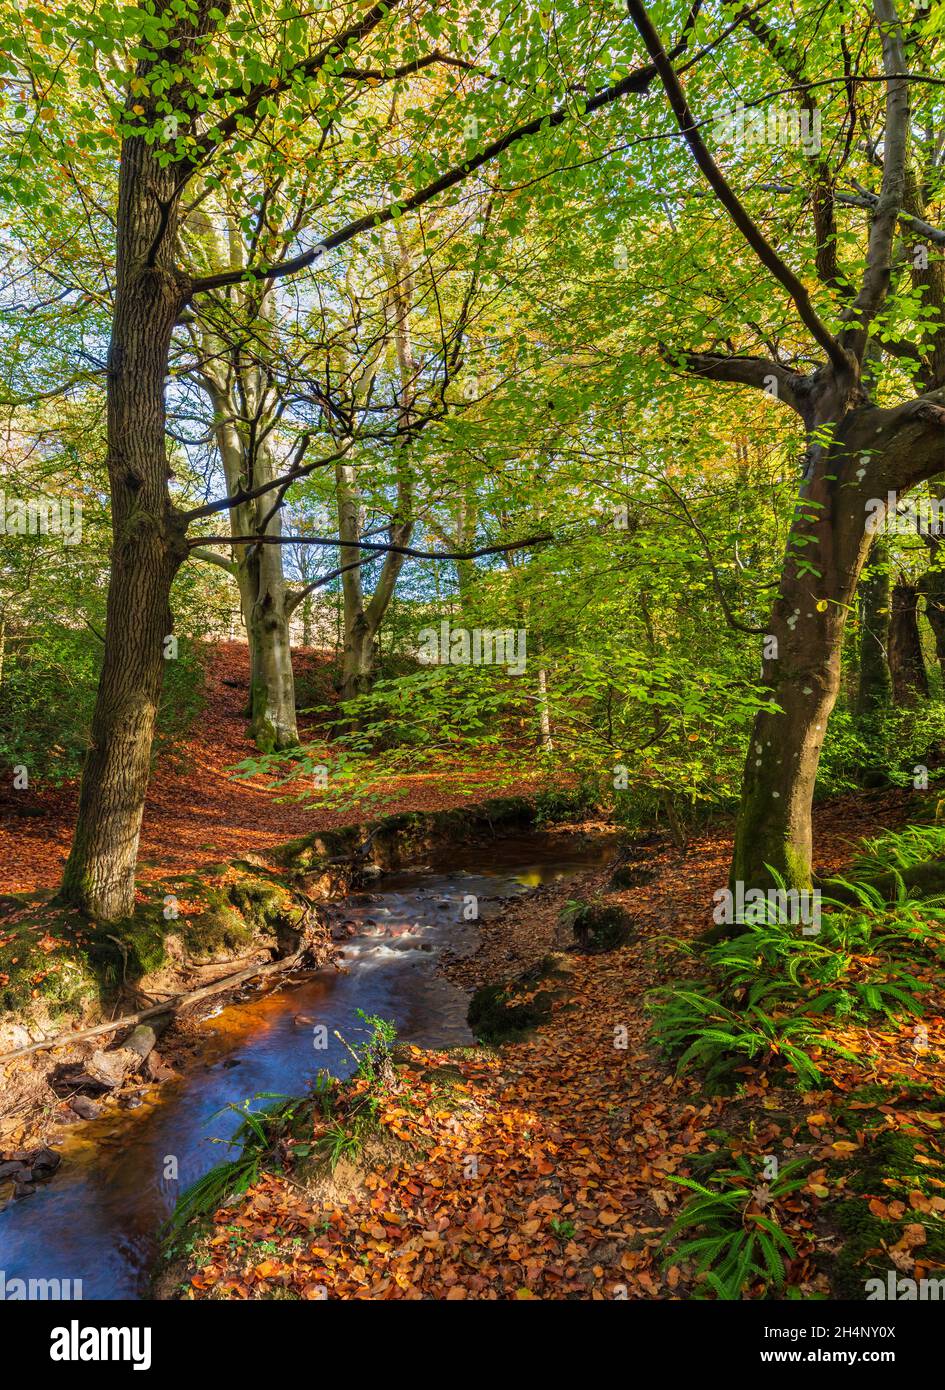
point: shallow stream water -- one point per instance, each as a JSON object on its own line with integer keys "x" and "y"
{"x": 97, "y": 1219}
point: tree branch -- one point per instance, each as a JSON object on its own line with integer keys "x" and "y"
{"x": 377, "y": 548}
{"x": 865, "y": 198}
{"x": 755, "y": 238}
{"x": 211, "y": 559}
{"x": 760, "y": 372}
{"x": 229, "y": 125}
{"x": 635, "y": 82}
{"x": 876, "y": 276}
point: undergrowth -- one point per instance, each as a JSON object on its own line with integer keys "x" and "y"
{"x": 771, "y": 989}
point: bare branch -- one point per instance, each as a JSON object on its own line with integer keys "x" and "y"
{"x": 377, "y": 548}
{"x": 865, "y": 198}
{"x": 761, "y": 372}
{"x": 197, "y": 554}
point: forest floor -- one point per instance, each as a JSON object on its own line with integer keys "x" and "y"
{"x": 545, "y": 1168}
{"x": 198, "y": 811}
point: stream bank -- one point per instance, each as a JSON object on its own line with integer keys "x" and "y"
{"x": 61, "y": 973}
{"x": 555, "y": 1164}
{"x": 122, "y": 1171}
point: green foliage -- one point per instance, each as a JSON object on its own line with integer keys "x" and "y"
{"x": 736, "y": 1242}
{"x": 773, "y": 985}
{"x": 257, "y": 1138}
{"x": 598, "y": 926}
{"x": 339, "y": 1140}
{"x": 702, "y": 1032}
{"x": 899, "y": 849}
{"x": 375, "y": 1056}
{"x": 349, "y": 1109}
{"x": 890, "y": 744}
{"x": 49, "y": 681}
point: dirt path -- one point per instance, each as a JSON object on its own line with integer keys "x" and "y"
{"x": 197, "y": 811}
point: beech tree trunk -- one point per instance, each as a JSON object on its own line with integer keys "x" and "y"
{"x": 272, "y": 680}
{"x": 148, "y": 544}
{"x": 874, "y": 451}
{"x": 932, "y": 583}
{"x": 906, "y": 663}
{"x": 802, "y": 672}
{"x": 875, "y": 688}
{"x": 932, "y": 587}
{"x": 362, "y": 620}
{"x": 260, "y": 574}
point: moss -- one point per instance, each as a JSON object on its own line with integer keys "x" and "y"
{"x": 55, "y": 957}
{"x": 496, "y": 1018}
{"x": 889, "y": 1156}
{"x": 52, "y": 955}
{"x": 597, "y": 926}
{"x": 571, "y": 803}
{"x": 399, "y": 837}
{"x": 260, "y": 901}
{"x": 890, "y": 1166}
{"x": 798, "y": 867}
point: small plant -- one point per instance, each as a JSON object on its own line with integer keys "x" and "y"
{"x": 257, "y": 1139}
{"x": 774, "y": 984}
{"x": 899, "y": 849}
{"x": 598, "y": 926}
{"x": 350, "y": 1110}
{"x": 564, "y": 1230}
{"x": 738, "y": 1239}
{"x": 710, "y": 1036}
{"x": 338, "y": 1142}
{"x": 375, "y": 1057}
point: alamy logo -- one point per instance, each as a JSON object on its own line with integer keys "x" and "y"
{"x": 754, "y": 906}
{"x": 777, "y": 125}
{"x": 904, "y": 1290}
{"x": 38, "y": 1290}
{"x": 41, "y": 516}
{"x": 75, "y": 1343}
{"x": 891, "y": 516}
{"x": 463, "y": 646}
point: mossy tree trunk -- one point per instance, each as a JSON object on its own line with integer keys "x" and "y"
{"x": 873, "y": 452}
{"x": 148, "y": 538}
{"x": 259, "y": 570}
{"x": 362, "y": 619}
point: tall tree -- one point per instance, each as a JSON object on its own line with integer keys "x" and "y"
{"x": 203, "y": 81}
{"x": 857, "y": 451}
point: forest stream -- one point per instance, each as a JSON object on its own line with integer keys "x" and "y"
{"x": 98, "y": 1219}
